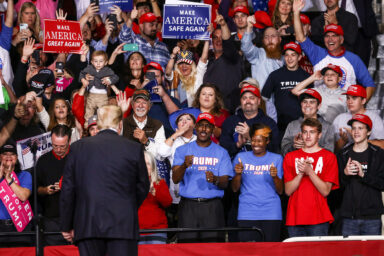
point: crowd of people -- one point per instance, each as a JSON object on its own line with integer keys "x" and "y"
{"x": 262, "y": 126}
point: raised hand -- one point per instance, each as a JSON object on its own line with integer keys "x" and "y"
{"x": 298, "y": 5}
{"x": 61, "y": 15}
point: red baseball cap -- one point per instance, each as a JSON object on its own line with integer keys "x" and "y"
{"x": 356, "y": 90}
{"x": 263, "y": 20}
{"x": 311, "y": 92}
{"x": 304, "y": 19}
{"x": 335, "y": 68}
{"x": 334, "y": 28}
{"x": 292, "y": 46}
{"x": 206, "y": 116}
{"x": 361, "y": 118}
{"x": 242, "y": 9}
{"x": 154, "y": 65}
{"x": 147, "y": 17}
{"x": 252, "y": 89}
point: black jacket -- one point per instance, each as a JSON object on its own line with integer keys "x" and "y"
{"x": 105, "y": 181}
{"x": 346, "y": 20}
{"x": 369, "y": 203}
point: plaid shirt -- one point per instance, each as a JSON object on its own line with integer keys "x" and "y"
{"x": 158, "y": 52}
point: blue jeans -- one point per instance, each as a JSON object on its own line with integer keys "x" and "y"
{"x": 158, "y": 238}
{"x": 355, "y": 227}
{"x": 308, "y": 230}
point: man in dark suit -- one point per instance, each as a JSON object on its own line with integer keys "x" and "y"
{"x": 105, "y": 181}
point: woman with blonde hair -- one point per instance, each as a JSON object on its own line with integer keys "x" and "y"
{"x": 186, "y": 77}
{"x": 152, "y": 211}
{"x": 29, "y": 15}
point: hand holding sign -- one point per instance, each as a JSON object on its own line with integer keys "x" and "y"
{"x": 117, "y": 11}
{"x": 92, "y": 10}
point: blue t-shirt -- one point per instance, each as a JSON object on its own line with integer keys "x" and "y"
{"x": 213, "y": 158}
{"x": 258, "y": 197}
{"x": 25, "y": 179}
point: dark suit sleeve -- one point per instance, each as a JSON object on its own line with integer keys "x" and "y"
{"x": 142, "y": 180}
{"x": 68, "y": 193}
{"x": 348, "y": 22}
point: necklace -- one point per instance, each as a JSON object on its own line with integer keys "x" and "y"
{"x": 186, "y": 141}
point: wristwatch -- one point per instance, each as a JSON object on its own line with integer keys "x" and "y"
{"x": 217, "y": 181}
{"x": 10, "y": 183}
{"x": 147, "y": 143}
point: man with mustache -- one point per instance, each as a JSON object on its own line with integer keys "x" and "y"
{"x": 140, "y": 127}
{"x": 203, "y": 170}
{"x": 263, "y": 60}
{"x": 235, "y": 130}
{"x": 149, "y": 45}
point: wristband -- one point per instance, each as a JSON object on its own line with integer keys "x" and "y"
{"x": 10, "y": 183}
{"x": 147, "y": 143}
{"x": 16, "y": 118}
{"x": 24, "y": 61}
{"x": 120, "y": 22}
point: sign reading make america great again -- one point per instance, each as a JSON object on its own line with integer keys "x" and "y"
{"x": 186, "y": 21}
{"x": 62, "y": 36}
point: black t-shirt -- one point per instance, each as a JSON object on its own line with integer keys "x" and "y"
{"x": 49, "y": 171}
{"x": 280, "y": 83}
{"x": 358, "y": 188}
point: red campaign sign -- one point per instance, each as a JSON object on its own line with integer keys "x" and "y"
{"x": 62, "y": 36}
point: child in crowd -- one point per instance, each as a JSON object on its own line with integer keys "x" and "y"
{"x": 334, "y": 102}
{"x": 97, "y": 77}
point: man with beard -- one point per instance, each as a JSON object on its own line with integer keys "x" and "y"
{"x": 140, "y": 127}
{"x": 266, "y": 59}
{"x": 149, "y": 45}
{"x": 353, "y": 68}
{"x": 263, "y": 60}
{"x": 203, "y": 170}
{"x": 235, "y": 130}
{"x": 225, "y": 65}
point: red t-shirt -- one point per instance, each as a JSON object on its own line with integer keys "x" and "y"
{"x": 306, "y": 206}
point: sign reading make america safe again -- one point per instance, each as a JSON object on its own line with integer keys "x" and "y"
{"x": 62, "y": 36}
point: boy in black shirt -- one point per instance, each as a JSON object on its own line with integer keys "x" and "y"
{"x": 280, "y": 83}
{"x": 362, "y": 177}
